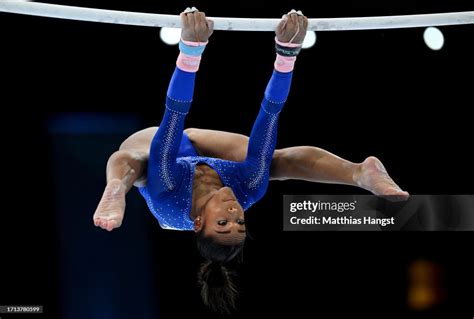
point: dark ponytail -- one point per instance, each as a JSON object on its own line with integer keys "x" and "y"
{"x": 218, "y": 292}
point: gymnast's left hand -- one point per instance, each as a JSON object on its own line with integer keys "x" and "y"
{"x": 292, "y": 27}
{"x": 195, "y": 26}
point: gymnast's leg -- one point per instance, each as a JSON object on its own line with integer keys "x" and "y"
{"x": 302, "y": 162}
{"x": 317, "y": 165}
{"x": 125, "y": 168}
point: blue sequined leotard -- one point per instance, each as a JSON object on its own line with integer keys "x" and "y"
{"x": 168, "y": 192}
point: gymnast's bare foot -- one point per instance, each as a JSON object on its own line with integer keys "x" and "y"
{"x": 109, "y": 213}
{"x": 373, "y": 177}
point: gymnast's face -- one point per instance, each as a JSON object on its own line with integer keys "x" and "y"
{"x": 223, "y": 218}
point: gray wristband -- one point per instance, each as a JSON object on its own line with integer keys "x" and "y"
{"x": 286, "y": 51}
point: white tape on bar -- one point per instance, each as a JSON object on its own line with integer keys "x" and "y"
{"x": 237, "y": 24}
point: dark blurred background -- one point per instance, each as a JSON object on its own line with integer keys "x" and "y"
{"x": 72, "y": 91}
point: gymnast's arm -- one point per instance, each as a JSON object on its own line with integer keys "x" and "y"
{"x": 289, "y": 36}
{"x": 163, "y": 171}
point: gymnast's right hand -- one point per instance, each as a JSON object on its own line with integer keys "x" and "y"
{"x": 195, "y": 26}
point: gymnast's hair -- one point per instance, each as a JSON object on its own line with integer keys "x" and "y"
{"x": 218, "y": 292}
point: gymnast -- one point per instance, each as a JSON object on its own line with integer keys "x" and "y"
{"x": 203, "y": 180}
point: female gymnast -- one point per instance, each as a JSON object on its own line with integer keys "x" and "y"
{"x": 203, "y": 180}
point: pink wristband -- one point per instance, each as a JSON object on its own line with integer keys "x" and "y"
{"x": 194, "y": 44}
{"x": 188, "y": 63}
{"x": 285, "y": 64}
{"x": 287, "y": 44}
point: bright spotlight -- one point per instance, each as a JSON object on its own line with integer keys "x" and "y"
{"x": 170, "y": 36}
{"x": 309, "y": 40}
{"x": 434, "y": 39}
